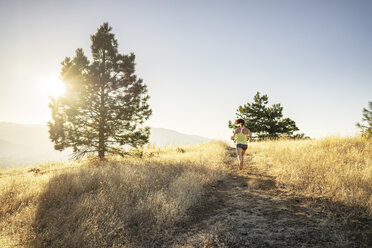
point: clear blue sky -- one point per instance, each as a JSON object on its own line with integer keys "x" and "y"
{"x": 202, "y": 59}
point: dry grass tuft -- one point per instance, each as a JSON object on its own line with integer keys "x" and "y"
{"x": 337, "y": 168}
{"x": 122, "y": 202}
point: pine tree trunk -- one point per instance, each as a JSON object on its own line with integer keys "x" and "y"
{"x": 101, "y": 141}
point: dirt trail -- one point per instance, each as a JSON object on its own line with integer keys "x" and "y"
{"x": 247, "y": 209}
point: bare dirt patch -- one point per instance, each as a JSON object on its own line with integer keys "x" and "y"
{"x": 248, "y": 209}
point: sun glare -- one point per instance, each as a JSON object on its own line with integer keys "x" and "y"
{"x": 52, "y": 86}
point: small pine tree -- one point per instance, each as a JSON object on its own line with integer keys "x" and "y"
{"x": 105, "y": 103}
{"x": 265, "y": 122}
{"x": 366, "y": 129}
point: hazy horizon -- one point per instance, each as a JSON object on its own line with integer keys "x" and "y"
{"x": 27, "y": 145}
{"x": 201, "y": 60}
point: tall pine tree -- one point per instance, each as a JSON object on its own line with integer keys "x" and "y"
{"x": 265, "y": 122}
{"x": 104, "y": 105}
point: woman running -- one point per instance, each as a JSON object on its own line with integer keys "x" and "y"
{"x": 240, "y": 136}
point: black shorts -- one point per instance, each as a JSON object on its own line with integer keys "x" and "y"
{"x": 244, "y": 147}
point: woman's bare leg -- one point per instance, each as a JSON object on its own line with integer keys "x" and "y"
{"x": 242, "y": 161}
{"x": 239, "y": 153}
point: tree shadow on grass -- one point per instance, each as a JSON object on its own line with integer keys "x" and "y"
{"x": 63, "y": 213}
{"x": 83, "y": 209}
{"x": 112, "y": 206}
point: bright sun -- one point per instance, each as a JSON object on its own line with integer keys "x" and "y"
{"x": 52, "y": 86}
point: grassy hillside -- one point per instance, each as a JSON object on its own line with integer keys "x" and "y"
{"x": 142, "y": 199}
{"x": 337, "y": 168}
{"x": 123, "y": 201}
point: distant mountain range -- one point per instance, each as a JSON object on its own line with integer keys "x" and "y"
{"x": 22, "y": 145}
{"x": 167, "y": 137}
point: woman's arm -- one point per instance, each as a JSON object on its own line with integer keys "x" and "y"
{"x": 250, "y": 135}
{"x": 235, "y": 133}
{"x": 248, "y": 132}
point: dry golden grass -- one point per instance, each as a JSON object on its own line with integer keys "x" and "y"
{"x": 141, "y": 200}
{"x": 122, "y": 202}
{"x": 337, "y": 168}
